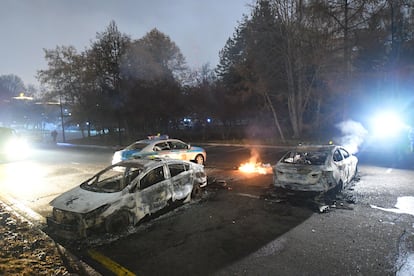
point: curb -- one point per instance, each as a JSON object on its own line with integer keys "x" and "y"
{"x": 73, "y": 265}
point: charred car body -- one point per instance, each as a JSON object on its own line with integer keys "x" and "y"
{"x": 123, "y": 194}
{"x": 315, "y": 169}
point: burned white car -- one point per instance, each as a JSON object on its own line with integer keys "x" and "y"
{"x": 123, "y": 194}
{"x": 315, "y": 169}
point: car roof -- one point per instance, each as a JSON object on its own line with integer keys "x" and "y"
{"x": 140, "y": 162}
{"x": 153, "y": 141}
{"x": 315, "y": 147}
{"x": 148, "y": 161}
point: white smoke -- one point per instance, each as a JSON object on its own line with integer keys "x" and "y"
{"x": 353, "y": 135}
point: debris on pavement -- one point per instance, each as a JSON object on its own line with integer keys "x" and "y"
{"x": 219, "y": 184}
{"x": 320, "y": 203}
{"x": 323, "y": 208}
{"x": 26, "y": 250}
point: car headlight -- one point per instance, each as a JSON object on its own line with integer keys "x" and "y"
{"x": 17, "y": 148}
{"x": 96, "y": 212}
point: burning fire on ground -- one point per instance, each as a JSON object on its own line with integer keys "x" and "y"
{"x": 253, "y": 166}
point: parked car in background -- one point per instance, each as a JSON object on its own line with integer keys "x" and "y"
{"x": 161, "y": 146}
{"x": 123, "y": 194}
{"x": 318, "y": 168}
{"x": 12, "y": 146}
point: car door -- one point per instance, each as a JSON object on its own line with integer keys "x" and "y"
{"x": 179, "y": 150}
{"x": 347, "y": 164}
{"x": 339, "y": 167}
{"x": 163, "y": 149}
{"x": 181, "y": 180}
{"x": 154, "y": 190}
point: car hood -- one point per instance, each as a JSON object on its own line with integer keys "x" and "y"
{"x": 82, "y": 201}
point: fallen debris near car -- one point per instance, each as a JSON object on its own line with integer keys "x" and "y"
{"x": 219, "y": 184}
{"x": 318, "y": 202}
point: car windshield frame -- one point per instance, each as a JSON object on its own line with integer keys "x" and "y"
{"x": 137, "y": 145}
{"x": 112, "y": 179}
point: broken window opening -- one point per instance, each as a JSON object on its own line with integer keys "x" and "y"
{"x": 154, "y": 176}
{"x": 306, "y": 158}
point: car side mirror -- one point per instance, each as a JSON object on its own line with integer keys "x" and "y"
{"x": 188, "y": 146}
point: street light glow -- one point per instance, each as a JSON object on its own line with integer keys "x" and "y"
{"x": 387, "y": 124}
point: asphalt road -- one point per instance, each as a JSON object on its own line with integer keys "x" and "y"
{"x": 238, "y": 228}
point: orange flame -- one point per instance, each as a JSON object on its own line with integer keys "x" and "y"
{"x": 255, "y": 167}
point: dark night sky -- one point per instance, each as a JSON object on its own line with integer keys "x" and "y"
{"x": 200, "y": 28}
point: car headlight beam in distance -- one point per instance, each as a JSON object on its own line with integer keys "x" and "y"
{"x": 387, "y": 125}
{"x": 17, "y": 148}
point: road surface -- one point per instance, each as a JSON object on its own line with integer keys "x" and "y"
{"x": 237, "y": 228}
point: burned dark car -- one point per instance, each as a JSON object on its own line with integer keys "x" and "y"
{"x": 123, "y": 194}
{"x": 315, "y": 169}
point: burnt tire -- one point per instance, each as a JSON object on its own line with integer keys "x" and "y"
{"x": 337, "y": 189}
{"x": 196, "y": 191}
{"x": 356, "y": 177}
{"x": 117, "y": 223}
{"x": 340, "y": 187}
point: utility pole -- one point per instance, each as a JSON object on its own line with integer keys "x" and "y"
{"x": 61, "y": 118}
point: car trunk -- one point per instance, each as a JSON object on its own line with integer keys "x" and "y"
{"x": 301, "y": 177}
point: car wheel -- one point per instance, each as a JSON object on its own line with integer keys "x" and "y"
{"x": 335, "y": 190}
{"x": 339, "y": 187}
{"x": 199, "y": 159}
{"x": 197, "y": 191}
{"x": 117, "y": 222}
{"x": 356, "y": 173}
{"x": 186, "y": 199}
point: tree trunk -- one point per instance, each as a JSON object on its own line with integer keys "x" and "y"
{"x": 292, "y": 97}
{"x": 275, "y": 119}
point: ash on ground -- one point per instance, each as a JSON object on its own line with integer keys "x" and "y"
{"x": 25, "y": 250}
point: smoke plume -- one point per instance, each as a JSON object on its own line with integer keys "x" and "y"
{"x": 353, "y": 135}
